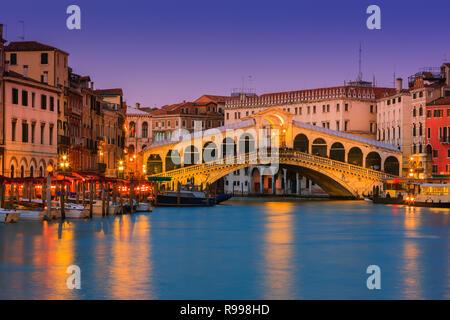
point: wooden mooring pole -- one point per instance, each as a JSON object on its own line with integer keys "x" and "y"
{"x": 91, "y": 199}
{"x": 61, "y": 201}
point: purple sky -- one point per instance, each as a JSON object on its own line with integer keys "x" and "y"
{"x": 162, "y": 52}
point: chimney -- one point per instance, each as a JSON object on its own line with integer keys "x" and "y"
{"x": 1, "y": 31}
{"x": 447, "y": 75}
{"x": 138, "y": 105}
{"x": 92, "y": 85}
{"x": 399, "y": 84}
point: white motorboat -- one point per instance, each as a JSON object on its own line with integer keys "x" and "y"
{"x": 114, "y": 209}
{"x": 71, "y": 211}
{"x": 143, "y": 207}
{"x": 8, "y": 216}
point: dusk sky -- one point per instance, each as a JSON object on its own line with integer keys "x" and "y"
{"x": 163, "y": 52}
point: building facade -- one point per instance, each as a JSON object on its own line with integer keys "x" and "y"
{"x": 140, "y": 131}
{"x": 394, "y": 118}
{"x": 110, "y": 130}
{"x": 438, "y": 135}
{"x": 2, "y": 93}
{"x": 49, "y": 65}
{"x": 30, "y": 117}
{"x": 350, "y": 109}
{"x": 148, "y": 125}
{"x": 425, "y": 86}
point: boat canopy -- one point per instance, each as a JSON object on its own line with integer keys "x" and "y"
{"x": 159, "y": 179}
{"x": 435, "y": 185}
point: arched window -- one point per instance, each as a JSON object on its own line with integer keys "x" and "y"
{"x": 31, "y": 172}
{"x": 145, "y": 130}
{"x": 22, "y": 171}
{"x": 132, "y": 129}
{"x": 414, "y": 112}
{"x": 12, "y": 171}
{"x": 420, "y": 111}
{"x": 41, "y": 171}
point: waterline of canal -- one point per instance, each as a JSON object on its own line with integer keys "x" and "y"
{"x": 244, "y": 249}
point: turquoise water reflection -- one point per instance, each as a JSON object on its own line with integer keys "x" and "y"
{"x": 248, "y": 249}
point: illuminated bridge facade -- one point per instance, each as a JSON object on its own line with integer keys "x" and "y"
{"x": 276, "y": 152}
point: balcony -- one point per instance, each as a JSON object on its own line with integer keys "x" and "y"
{"x": 445, "y": 140}
{"x": 111, "y": 106}
{"x": 64, "y": 140}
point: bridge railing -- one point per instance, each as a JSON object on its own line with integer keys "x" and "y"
{"x": 334, "y": 163}
{"x": 259, "y": 158}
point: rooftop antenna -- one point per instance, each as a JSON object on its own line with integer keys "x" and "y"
{"x": 359, "y": 78}
{"x": 23, "y": 30}
{"x": 394, "y": 82}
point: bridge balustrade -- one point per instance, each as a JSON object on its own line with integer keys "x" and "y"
{"x": 255, "y": 158}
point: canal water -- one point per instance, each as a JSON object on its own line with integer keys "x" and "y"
{"x": 244, "y": 249}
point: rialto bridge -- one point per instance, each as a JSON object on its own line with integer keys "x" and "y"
{"x": 342, "y": 164}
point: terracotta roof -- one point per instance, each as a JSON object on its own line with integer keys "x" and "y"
{"x": 403, "y": 91}
{"x": 116, "y": 91}
{"x": 30, "y": 46}
{"x": 134, "y": 111}
{"x": 213, "y": 98}
{"x": 440, "y": 102}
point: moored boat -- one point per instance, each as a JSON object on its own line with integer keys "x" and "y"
{"x": 71, "y": 211}
{"x": 433, "y": 195}
{"x": 143, "y": 207}
{"x": 8, "y": 216}
{"x": 187, "y": 195}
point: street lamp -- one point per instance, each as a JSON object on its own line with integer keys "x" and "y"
{"x": 120, "y": 168}
{"x": 64, "y": 164}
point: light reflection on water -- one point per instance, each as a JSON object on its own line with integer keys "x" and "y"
{"x": 278, "y": 250}
{"x": 251, "y": 249}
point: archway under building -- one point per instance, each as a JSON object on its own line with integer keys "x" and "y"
{"x": 355, "y": 156}
{"x": 337, "y": 152}
{"x": 319, "y": 147}
{"x": 154, "y": 164}
{"x": 373, "y": 161}
{"x": 392, "y": 166}
{"x": 301, "y": 143}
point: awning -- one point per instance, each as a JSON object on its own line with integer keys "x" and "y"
{"x": 38, "y": 180}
